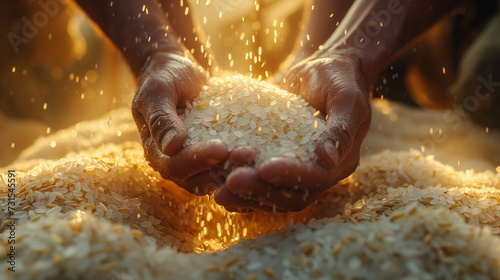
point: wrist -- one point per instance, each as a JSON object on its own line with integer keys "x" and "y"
{"x": 156, "y": 61}
{"x": 368, "y": 65}
{"x": 172, "y": 61}
{"x": 158, "y": 43}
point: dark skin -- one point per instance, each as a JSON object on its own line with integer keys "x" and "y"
{"x": 335, "y": 80}
{"x": 168, "y": 75}
{"x": 325, "y": 14}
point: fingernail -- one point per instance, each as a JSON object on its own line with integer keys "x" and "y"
{"x": 332, "y": 152}
{"x": 167, "y": 139}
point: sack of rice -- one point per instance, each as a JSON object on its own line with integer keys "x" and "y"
{"x": 247, "y": 112}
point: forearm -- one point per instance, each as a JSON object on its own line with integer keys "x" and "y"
{"x": 322, "y": 20}
{"x": 375, "y": 31}
{"x": 181, "y": 17}
{"x": 137, "y": 28}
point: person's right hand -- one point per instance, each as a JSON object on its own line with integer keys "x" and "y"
{"x": 166, "y": 82}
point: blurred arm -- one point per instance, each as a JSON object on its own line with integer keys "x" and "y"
{"x": 137, "y": 28}
{"x": 374, "y": 31}
{"x": 181, "y": 17}
{"x": 321, "y": 23}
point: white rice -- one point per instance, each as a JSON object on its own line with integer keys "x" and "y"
{"x": 242, "y": 111}
{"x": 413, "y": 243}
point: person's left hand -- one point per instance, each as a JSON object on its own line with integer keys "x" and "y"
{"x": 166, "y": 83}
{"x": 335, "y": 86}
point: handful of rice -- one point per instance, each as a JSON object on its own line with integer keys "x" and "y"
{"x": 247, "y": 112}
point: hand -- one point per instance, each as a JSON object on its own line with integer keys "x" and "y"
{"x": 165, "y": 84}
{"x": 335, "y": 85}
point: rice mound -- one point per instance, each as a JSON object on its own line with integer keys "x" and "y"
{"x": 413, "y": 243}
{"x": 96, "y": 210}
{"x": 242, "y": 111}
{"x": 110, "y": 215}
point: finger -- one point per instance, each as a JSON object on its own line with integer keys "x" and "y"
{"x": 243, "y": 155}
{"x": 208, "y": 181}
{"x": 234, "y": 203}
{"x": 202, "y": 183}
{"x": 157, "y": 102}
{"x": 141, "y": 124}
{"x": 188, "y": 162}
{"x": 155, "y": 158}
{"x": 211, "y": 179}
{"x": 195, "y": 158}
{"x": 296, "y": 174}
{"x": 348, "y": 116}
{"x": 293, "y": 173}
{"x": 350, "y": 162}
{"x": 245, "y": 183}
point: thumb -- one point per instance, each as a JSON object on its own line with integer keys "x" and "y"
{"x": 349, "y": 117}
{"x": 156, "y": 104}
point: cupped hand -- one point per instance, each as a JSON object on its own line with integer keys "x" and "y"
{"x": 166, "y": 83}
{"x": 335, "y": 86}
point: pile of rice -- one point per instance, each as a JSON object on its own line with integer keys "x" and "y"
{"x": 100, "y": 212}
{"x": 242, "y": 111}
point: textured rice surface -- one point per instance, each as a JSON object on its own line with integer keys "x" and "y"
{"x": 243, "y": 111}
{"x": 380, "y": 226}
{"x": 101, "y": 212}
